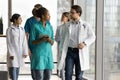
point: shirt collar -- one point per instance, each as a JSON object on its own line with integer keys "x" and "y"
{"x": 15, "y": 27}
{"x": 78, "y": 22}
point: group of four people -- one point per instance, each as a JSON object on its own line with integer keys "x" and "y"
{"x": 74, "y": 37}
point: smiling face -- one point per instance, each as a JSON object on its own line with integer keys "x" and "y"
{"x": 43, "y": 14}
{"x": 46, "y": 16}
{"x": 18, "y": 21}
{"x": 74, "y": 14}
{"x": 64, "y": 19}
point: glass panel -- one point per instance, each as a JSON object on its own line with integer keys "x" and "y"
{"x": 111, "y": 40}
{"x": 3, "y": 49}
{"x": 3, "y": 16}
{"x": 3, "y": 27}
{"x": 89, "y": 15}
{"x": 62, "y": 6}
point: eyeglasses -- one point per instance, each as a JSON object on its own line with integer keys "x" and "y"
{"x": 72, "y": 12}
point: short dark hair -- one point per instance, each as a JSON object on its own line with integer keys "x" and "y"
{"x": 77, "y": 8}
{"x": 14, "y": 17}
{"x": 41, "y": 11}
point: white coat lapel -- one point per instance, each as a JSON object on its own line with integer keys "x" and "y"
{"x": 80, "y": 31}
{"x": 69, "y": 27}
{"x": 21, "y": 46}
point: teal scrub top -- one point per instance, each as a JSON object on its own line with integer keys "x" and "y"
{"x": 28, "y": 25}
{"x": 42, "y": 57}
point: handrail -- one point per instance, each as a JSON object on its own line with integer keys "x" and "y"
{"x": 1, "y": 35}
{"x": 25, "y": 62}
{"x": 28, "y": 63}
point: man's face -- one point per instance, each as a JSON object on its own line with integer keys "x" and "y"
{"x": 74, "y": 14}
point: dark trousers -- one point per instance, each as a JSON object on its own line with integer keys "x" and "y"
{"x": 43, "y": 74}
{"x": 33, "y": 74}
{"x": 33, "y": 71}
{"x": 72, "y": 59}
{"x": 13, "y": 73}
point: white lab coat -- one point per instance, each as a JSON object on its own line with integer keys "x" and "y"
{"x": 16, "y": 46}
{"x": 58, "y": 38}
{"x": 86, "y": 35}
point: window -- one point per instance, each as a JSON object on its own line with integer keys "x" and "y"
{"x": 3, "y": 16}
{"x": 111, "y": 40}
{"x": 3, "y": 27}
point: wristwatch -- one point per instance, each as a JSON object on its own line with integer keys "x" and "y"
{"x": 84, "y": 43}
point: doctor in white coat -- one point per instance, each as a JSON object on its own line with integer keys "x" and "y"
{"x": 76, "y": 38}
{"x": 17, "y": 48}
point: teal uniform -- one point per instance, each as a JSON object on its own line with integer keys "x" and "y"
{"x": 42, "y": 57}
{"x": 28, "y": 25}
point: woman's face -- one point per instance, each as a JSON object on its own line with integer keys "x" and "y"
{"x": 47, "y": 16}
{"x": 64, "y": 19}
{"x": 19, "y": 20}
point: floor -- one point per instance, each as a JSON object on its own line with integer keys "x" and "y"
{"x": 53, "y": 77}
{"x": 28, "y": 77}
